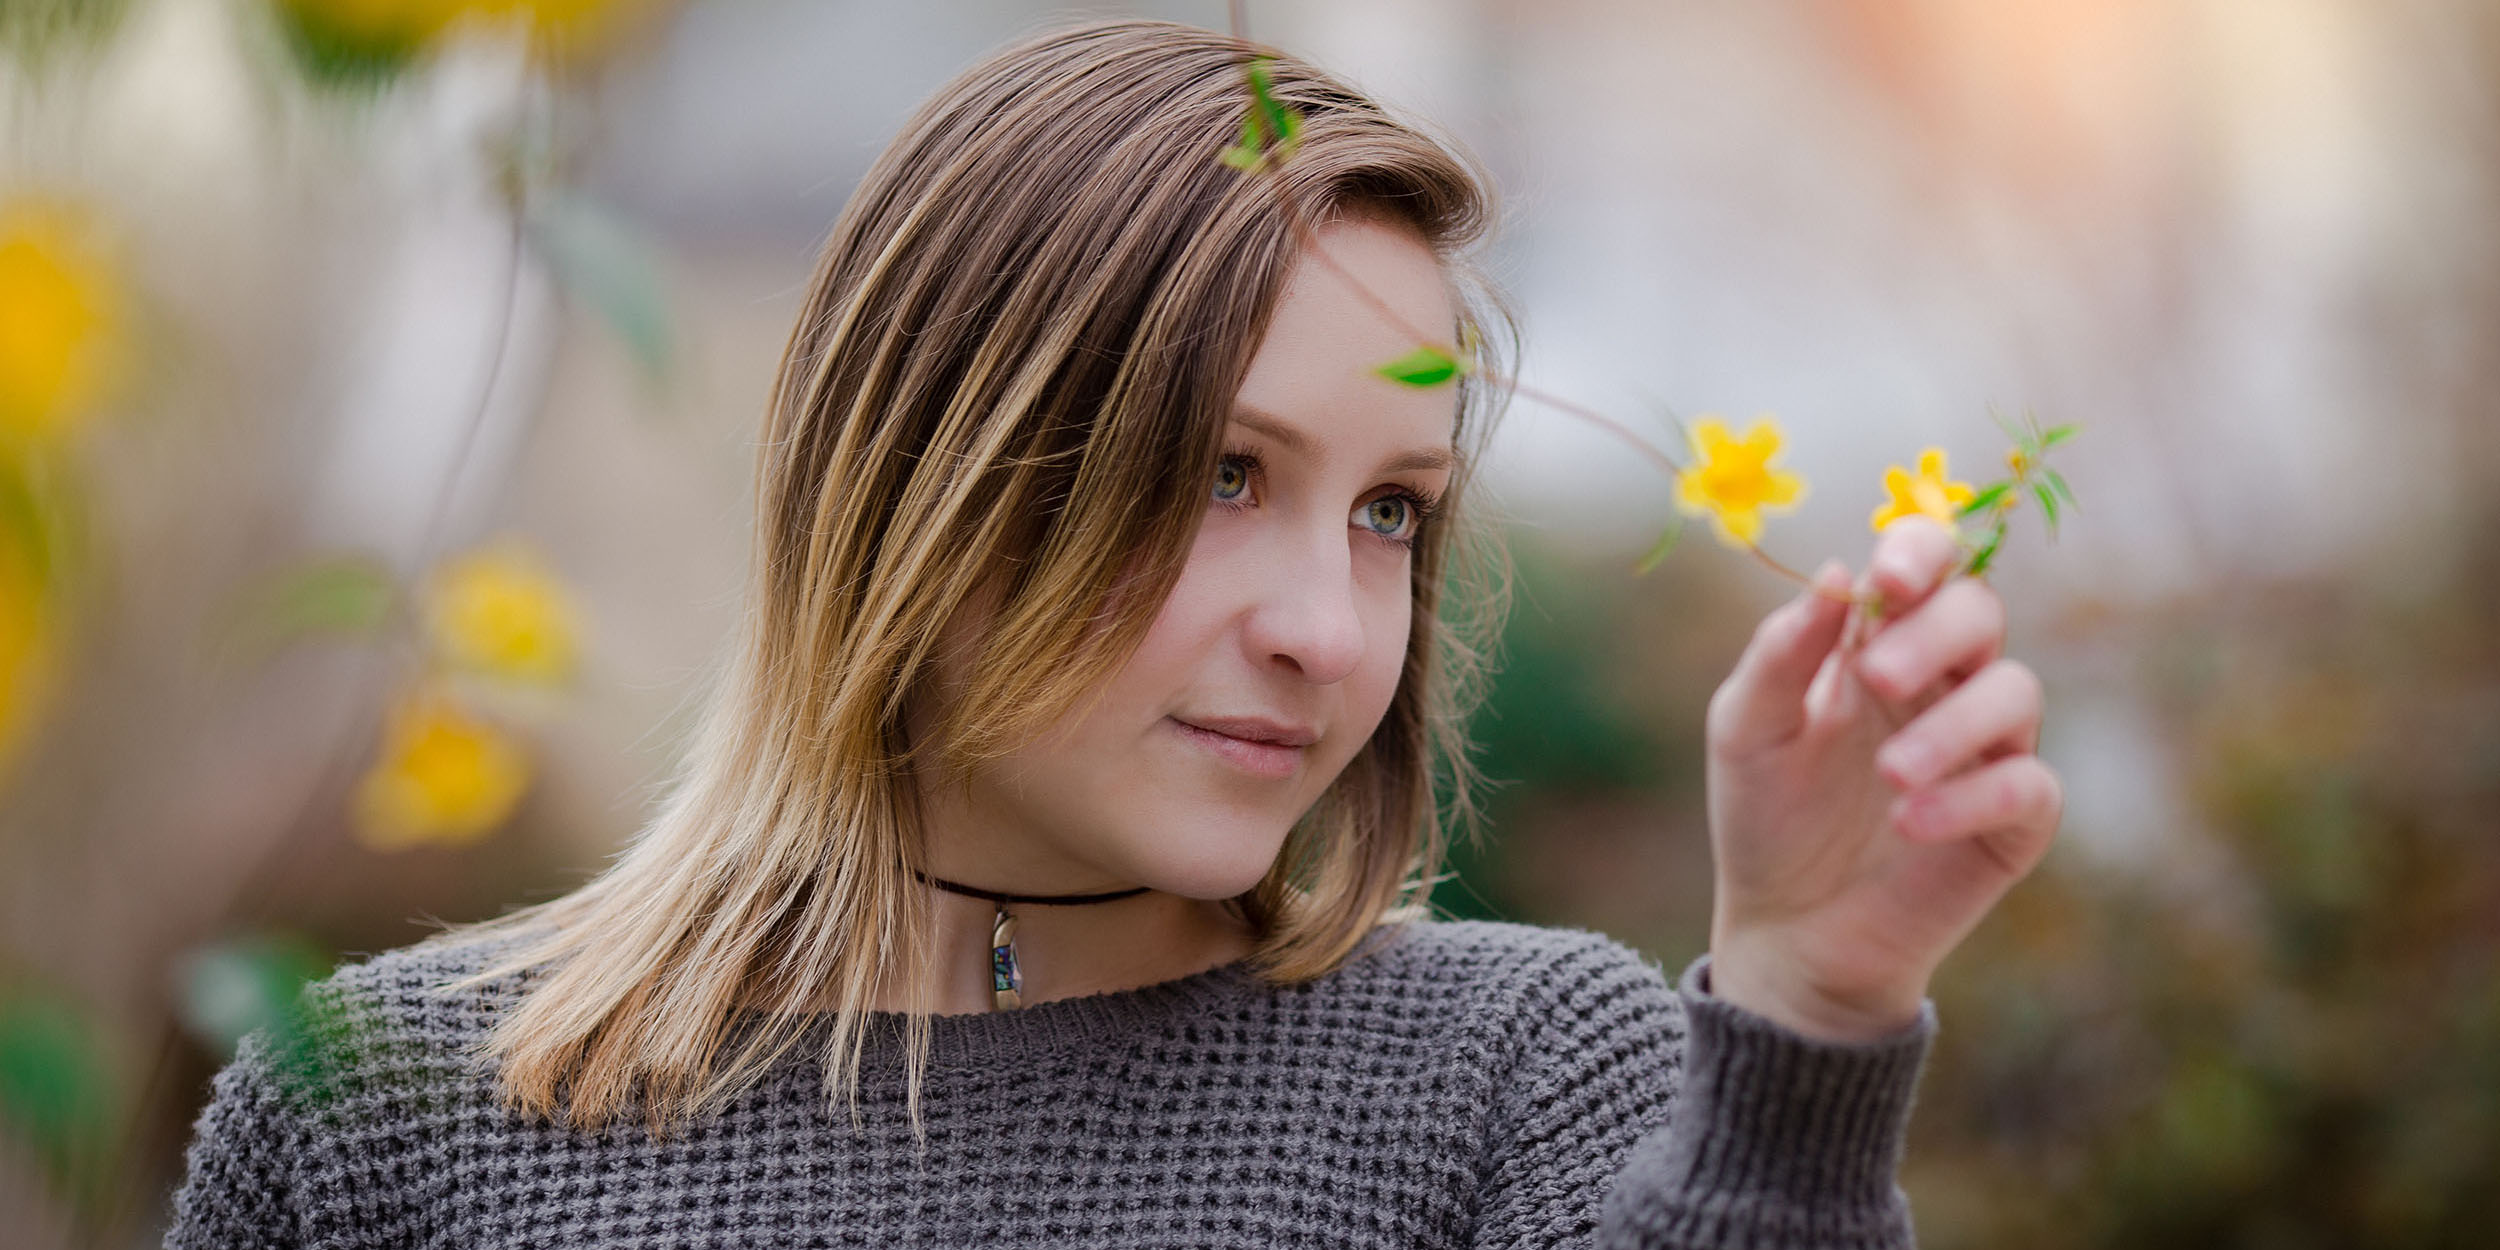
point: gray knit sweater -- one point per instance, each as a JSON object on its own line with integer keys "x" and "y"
{"x": 1455, "y": 1083}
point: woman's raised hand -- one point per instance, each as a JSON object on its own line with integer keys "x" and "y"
{"x": 1870, "y": 797}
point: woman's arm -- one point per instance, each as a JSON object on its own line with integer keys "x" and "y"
{"x": 1777, "y": 1140}
{"x": 1650, "y": 1117}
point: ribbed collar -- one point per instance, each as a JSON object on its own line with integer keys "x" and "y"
{"x": 1025, "y": 1035}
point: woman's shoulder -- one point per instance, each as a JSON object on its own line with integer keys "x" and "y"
{"x": 382, "y": 1021}
{"x": 1498, "y": 952}
{"x": 418, "y": 988}
{"x": 1514, "y": 975}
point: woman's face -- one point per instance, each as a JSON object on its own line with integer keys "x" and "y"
{"x": 1277, "y": 652}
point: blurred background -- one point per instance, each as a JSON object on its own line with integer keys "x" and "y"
{"x": 378, "y": 381}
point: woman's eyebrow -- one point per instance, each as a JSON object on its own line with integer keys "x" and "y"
{"x": 1294, "y": 441}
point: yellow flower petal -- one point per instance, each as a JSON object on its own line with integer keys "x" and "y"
{"x": 1928, "y": 493}
{"x": 1762, "y": 439}
{"x": 497, "y": 610}
{"x": 1710, "y": 438}
{"x": 57, "y": 318}
{"x": 1731, "y": 480}
{"x": 444, "y": 776}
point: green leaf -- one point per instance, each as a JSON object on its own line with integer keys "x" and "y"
{"x": 2020, "y": 438}
{"x": 347, "y": 595}
{"x": 2048, "y": 506}
{"x": 603, "y": 263}
{"x": 232, "y": 988}
{"x": 1984, "y": 498}
{"x": 1289, "y": 132}
{"x": 56, "y": 1093}
{"x": 2059, "y": 484}
{"x": 2056, "y": 435}
{"x": 360, "y": 48}
{"x": 1424, "y": 366}
{"x": 1270, "y": 128}
{"x": 1987, "y": 551}
{"x": 1658, "y": 550}
{"x": 272, "y": 986}
{"x": 1283, "y": 124}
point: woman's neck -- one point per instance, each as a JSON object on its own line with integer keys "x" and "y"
{"x": 1067, "y": 951}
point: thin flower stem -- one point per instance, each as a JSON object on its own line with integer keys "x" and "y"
{"x": 1801, "y": 579}
{"x": 1308, "y": 239}
{"x": 1664, "y": 461}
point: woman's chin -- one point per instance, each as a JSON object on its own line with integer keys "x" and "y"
{"x": 1215, "y": 868}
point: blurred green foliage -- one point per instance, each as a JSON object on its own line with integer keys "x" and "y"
{"x": 2299, "y": 1044}
{"x": 37, "y": 31}
{"x": 2275, "y": 1023}
{"x": 57, "y": 1093}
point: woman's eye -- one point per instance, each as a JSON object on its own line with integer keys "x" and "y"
{"x": 1232, "y": 477}
{"x": 1388, "y": 515}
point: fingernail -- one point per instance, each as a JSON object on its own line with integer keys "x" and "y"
{"x": 1905, "y": 762}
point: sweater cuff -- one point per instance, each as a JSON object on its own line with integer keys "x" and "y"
{"x": 1777, "y": 1139}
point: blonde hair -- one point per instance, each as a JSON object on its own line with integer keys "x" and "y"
{"x": 1021, "y": 340}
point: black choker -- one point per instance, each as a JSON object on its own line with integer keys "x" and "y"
{"x": 1006, "y": 979}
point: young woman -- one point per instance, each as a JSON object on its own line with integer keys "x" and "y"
{"x": 1051, "y": 866}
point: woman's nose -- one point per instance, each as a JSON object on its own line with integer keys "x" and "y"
{"x": 1308, "y": 614}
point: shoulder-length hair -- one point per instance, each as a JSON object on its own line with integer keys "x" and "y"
{"x": 1017, "y": 354}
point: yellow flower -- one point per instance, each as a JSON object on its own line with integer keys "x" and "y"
{"x": 56, "y": 319}
{"x": 27, "y": 667}
{"x": 2017, "y": 461}
{"x": 1731, "y": 478}
{"x": 1929, "y": 494}
{"x": 567, "y": 29}
{"x": 444, "y": 776}
{"x": 498, "y": 611}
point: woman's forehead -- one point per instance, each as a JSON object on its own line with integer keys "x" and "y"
{"x": 1315, "y": 378}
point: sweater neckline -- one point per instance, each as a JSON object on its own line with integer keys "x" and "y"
{"x": 1057, "y": 1026}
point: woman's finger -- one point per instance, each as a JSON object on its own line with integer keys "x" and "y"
{"x": 1912, "y": 557}
{"x": 1955, "y": 633}
{"x": 1996, "y": 711}
{"x": 2017, "y": 795}
{"x": 1762, "y": 702}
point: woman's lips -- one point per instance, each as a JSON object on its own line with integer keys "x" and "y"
{"x": 1271, "y": 760}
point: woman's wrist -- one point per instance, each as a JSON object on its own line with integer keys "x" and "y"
{"x": 1747, "y": 976}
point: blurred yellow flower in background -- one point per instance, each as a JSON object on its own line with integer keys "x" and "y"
{"x": 444, "y": 777}
{"x": 368, "y": 42}
{"x": 1731, "y": 478}
{"x": 567, "y": 24}
{"x": 27, "y": 668}
{"x": 498, "y": 611}
{"x": 1928, "y": 493}
{"x": 57, "y": 318}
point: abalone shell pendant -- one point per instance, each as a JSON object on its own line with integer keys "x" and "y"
{"x": 1006, "y": 980}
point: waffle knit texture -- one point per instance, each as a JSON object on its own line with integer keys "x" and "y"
{"x": 1454, "y": 1083}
